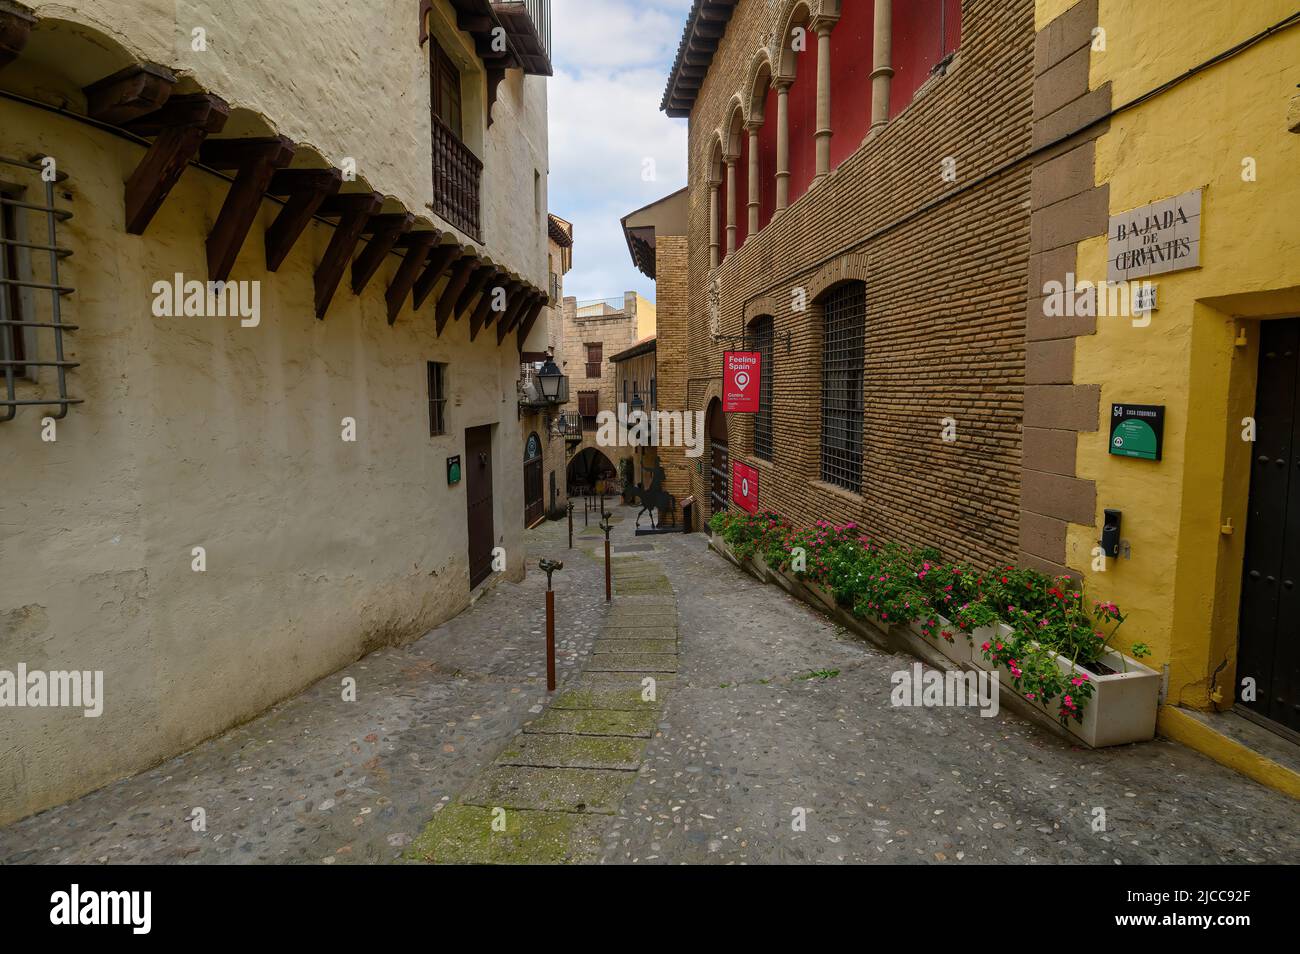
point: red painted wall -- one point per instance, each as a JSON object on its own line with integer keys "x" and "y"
{"x": 803, "y": 121}
{"x": 925, "y": 31}
{"x": 767, "y": 160}
{"x": 851, "y": 42}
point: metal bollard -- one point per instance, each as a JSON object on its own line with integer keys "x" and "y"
{"x": 548, "y": 567}
{"x": 607, "y": 527}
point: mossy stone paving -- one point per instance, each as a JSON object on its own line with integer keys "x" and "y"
{"x": 629, "y": 645}
{"x": 557, "y": 781}
{"x": 549, "y": 789}
{"x": 463, "y": 834}
{"x": 608, "y": 722}
{"x": 573, "y": 751}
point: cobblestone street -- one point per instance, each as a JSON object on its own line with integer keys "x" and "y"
{"x": 772, "y": 709}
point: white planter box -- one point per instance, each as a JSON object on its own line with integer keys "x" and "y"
{"x": 722, "y": 548}
{"x": 1123, "y": 704}
{"x": 986, "y": 634}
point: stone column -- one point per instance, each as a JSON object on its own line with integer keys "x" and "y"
{"x": 882, "y": 69}
{"x": 714, "y": 250}
{"x": 782, "y": 145}
{"x": 754, "y": 193}
{"x": 823, "y": 27}
{"x": 731, "y": 203}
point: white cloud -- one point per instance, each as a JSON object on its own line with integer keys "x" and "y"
{"x": 612, "y": 60}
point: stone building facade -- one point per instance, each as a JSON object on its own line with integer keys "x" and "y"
{"x": 859, "y": 212}
{"x": 215, "y": 511}
{"x": 594, "y": 331}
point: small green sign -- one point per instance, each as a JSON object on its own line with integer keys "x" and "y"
{"x": 1137, "y": 430}
{"x": 453, "y": 470}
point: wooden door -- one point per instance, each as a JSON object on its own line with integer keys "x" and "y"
{"x": 478, "y": 493}
{"x": 534, "y": 485}
{"x": 1269, "y": 635}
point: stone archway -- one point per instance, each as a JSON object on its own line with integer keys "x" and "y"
{"x": 588, "y": 466}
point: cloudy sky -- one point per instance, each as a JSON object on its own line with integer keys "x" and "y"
{"x": 611, "y": 61}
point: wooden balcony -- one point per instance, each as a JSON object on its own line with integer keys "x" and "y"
{"x": 457, "y": 176}
{"x": 528, "y": 24}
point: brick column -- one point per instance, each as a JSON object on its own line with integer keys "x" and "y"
{"x": 882, "y": 69}
{"x": 782, "y": 144}
{"x": 1067, "y": 207}
{"x": 731, "y": 203}
{"x": 823, "y": 26}
{"x": 752, "y": 129}
{"x": 714, "y": 249}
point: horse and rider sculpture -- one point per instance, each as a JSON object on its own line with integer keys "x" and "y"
{"x": 654, "y": 499}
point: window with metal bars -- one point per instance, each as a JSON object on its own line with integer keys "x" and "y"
{"x": 761, "y": 334}
{"x": 32, "y": 292}
{"x": 595, "y": 356}
{"x": 843, "y": 345}
{"x": 437, "y": 399}
{"x": 588, "y": 408}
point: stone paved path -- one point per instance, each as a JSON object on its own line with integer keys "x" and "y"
{"x": 548, "y": 795}
{"x": 763, "y": 708}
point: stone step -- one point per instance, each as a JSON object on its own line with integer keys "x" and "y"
{"x": 462, "y": 834}
{"x": 598, "y": 722}
{"x": 610, "y": 697}
{"x": 633, "y": 662}
{"x": 630, "y": 645}
{"x": 573, "y": 751}
{"x": 550, "y": 789}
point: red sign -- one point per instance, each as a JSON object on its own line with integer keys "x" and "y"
{"x": 744, "y": 487}
{"x": 741, "y": 372}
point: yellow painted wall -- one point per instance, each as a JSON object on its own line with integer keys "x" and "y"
{"x": 1182, "y": 584}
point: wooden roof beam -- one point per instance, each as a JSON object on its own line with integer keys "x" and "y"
{"x": 181, "y": 127}
{"x": 417, "y": 253}
{"x": 387, "y": 230}
{"x": 307, "y": 189}
{"x": 354, "y": 211}
{"x": 257, "y": 161}
{"x": 460, "y": 274}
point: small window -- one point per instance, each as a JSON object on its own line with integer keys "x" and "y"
{"x": 595, "y": 357}
{"x": 444, "y": 80}
{"x": 588, "y": 408}
{"x": 625, "y": 395}
{"x": 437, "y": 399}
{"x": 13, "y": 338}
{"x": 537, "y": 193}
{"x": 653, "y": 396}
{"x": 843, "y": 356}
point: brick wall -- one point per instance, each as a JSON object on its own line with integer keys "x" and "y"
{"x": 671, "y": 354}
{"x": 945, "y": 266}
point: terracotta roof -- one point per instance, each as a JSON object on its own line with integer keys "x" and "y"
{"x": 705, "y": 27}
{"x": 560, "y": 230}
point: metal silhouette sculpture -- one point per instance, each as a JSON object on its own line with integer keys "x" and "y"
{"x": 654, "y": 499}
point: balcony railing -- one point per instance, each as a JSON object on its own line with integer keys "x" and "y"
{"x": 457, "y": 173}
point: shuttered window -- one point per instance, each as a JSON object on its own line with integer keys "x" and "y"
{"x": 588, "y": 408}
{"x": 595, "y": 357}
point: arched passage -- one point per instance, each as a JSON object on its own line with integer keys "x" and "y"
{"x": 588, "y": 467}
{"x": 719, "y": 462}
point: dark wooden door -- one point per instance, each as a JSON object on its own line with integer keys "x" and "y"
{"x": 1269, "y": 638}
{"x": 534, "y": 485}
{"x": 478, "y": 493}
{"x": 719, "y": 460}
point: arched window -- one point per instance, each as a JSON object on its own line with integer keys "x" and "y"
{"x": 760, "y": 340}
{"x": 924, "y": 32}
{"x": 844, "y": 311}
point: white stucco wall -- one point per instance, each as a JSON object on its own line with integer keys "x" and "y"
{"x": 198, "y": 432}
